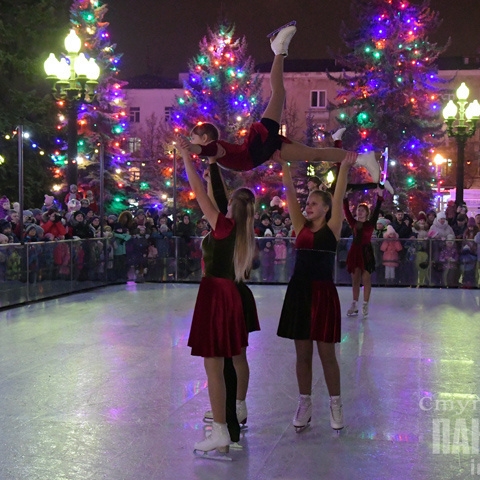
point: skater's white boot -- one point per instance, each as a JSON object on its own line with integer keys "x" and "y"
{"x": 219, "y": 439}
{"x": 338, "y": 134}
{"x": 353, "y": 310}
{"x": 242, "y": 412}
{"x": 303, "y": 415}
{"x": 388, "y": 187}
{"x": 336, "y": 413}
{"x": 281, "y": 41}
{"x": 365, "y": 309}
{"x": 370, "y": 162}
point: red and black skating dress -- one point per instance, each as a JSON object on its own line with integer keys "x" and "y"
{"x": 262, "y": 141}
{"x": 311, "y": 309}
{"x": 360, "y": 255}
{"x": 218, "y": 325}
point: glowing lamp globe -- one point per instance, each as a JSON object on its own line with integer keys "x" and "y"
{"x": 51, "y": 65}
{"x": 73, "y": 42}
{"x": 81, "y": 65}
{"x": 450, "y": 111}
{"x": 462, "y": 92}
{"x": 473, "y": 111}
{"x": 93, "y": 71}
{"x": 63, "y": 72}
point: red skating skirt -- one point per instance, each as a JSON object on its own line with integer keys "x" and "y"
{"x": 218, "y": 325}
{"x": 311, "y": 311}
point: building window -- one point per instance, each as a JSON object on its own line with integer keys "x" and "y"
{"x": 134, "y": 174}
{"x": 318, "y": 99}
{"x": 168, "y": 114}
{"x": 134, "y": 114}
{"x": 134, "y": 144}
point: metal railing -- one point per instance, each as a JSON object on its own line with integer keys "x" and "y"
{"x": 35, "y": 271}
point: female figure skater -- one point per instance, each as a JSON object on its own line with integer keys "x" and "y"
{"x": 263, "y": 138}
{"x": 311, "y": 309}
{"x": 360, "y": 258}
{"x": 218, "y": 328}
{"x": 236, "y": 380}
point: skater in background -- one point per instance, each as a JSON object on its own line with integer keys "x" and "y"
{"x": 361, "y": 258}
{"x": 311, "y": 309}
{"x": 218, "y": 328}
{"x": 263, "y": 139}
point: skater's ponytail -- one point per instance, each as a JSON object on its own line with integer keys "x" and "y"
{"x": 243, "y": 210}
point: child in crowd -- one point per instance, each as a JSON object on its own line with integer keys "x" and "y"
{"x": 390, "y": 247}
{"x": 449, "y": 260}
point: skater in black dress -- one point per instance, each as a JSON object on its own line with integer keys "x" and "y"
{"x": 311, "y": 309}
{"x": 236, "y": 376}
{"x": 218, "y": 328}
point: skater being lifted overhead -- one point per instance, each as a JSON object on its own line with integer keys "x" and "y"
{"x": 263, "y": 139}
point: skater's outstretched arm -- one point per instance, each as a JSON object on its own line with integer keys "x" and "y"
{"x": 206, "y": 205}
{"x": 298, "y": 220}
{"x": 336, "y": 220}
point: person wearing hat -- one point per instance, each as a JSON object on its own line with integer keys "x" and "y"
{"x": 390, "y": 248}
{"x": 448, "y": 259}
{"x": 53, "y": 224}
{"x": 459, "y": 226}
{"x": 380, "y": 227}
{"x": 472, "y": 229}
{"x": 361, "y": 257}
{"x": 4, "y": 207}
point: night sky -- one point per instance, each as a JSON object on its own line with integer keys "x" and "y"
{"x": 160, "y": 37}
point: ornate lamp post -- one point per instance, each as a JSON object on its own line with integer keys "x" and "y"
{"x": 464, "y": 128}
{"x": 74, "y": 79}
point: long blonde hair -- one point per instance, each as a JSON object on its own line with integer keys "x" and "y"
{"x": 243, "y": 210}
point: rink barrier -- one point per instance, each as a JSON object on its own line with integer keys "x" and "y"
{"x": 37, "y": 271}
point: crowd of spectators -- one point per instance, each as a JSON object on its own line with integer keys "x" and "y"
{"x": 429, "y": 248}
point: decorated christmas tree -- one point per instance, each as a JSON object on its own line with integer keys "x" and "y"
{"x": 392, "y": 93}
{"x": 103, "y": 120}
{"x": 222, "y": 88}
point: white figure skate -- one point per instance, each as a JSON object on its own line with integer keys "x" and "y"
{"x": 217, "y": 442}
{"x": 303, "y": 415}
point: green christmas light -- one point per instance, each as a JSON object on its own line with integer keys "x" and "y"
{"x": 117, "y": 129}
{"x": 144, "y": 186}
{"x": 362, "y": 118}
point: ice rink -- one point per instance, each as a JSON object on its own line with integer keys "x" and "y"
{"x": 101, "y": 385}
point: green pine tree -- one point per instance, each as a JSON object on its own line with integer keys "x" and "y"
{"x": 392, "y": 95}
{"x": 222, "y": 88}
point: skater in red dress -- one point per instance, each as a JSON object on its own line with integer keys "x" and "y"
{"x": 263, "y": 139}
{"x": 218, "y": 326}
{"x": 311, "y": 309}
{"x": 360, "y": 258}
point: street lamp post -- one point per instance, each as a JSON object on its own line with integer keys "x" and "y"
{"x": 461, "y": 128}
{"x": 74, "y": 79}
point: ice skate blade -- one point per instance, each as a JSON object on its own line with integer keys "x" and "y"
{"x": 236, "y": 446}
{"x": 212, "y": 455}
{"x": 207, "y": 420}
{"x": 289, "y": 24}
{"x": 301, "y": 429}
